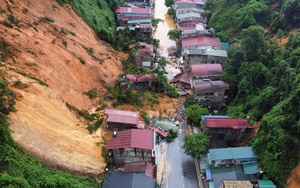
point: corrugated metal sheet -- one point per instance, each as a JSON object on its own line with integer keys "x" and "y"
{"x": 182, "y": 77}
{"x": 206, "y": 70}
{"x": 240, "y": 153}
{"x": 142, "y": 78}
{"x": 250, "y": 168}
{"x": 203, "y": 118}
{"x": 234, "y": 123}
{"x": 133, "y": 10}
{"x": 205, "y": 87}
{"x": 122, "y": 116}
{"x": 159, "y": 131}
{"x": 220, "y": 85}
{"x": 201, "y": 41}
{"x": 133, "y": 138}
{"x": 266, "y": 184}
{"x": 127, "y": 180}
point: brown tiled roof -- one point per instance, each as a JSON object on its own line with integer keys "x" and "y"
{"x": 133, "y": 138}
{"x": 122, "y": 116}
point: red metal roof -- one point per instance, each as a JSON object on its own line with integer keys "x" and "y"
{"x": 182, "y": 77}
{"x": 122, "y": 116}
{"x": 234, "y": 123}
{"x": 133, "y": 10}
{"x": 133, "y": 138}
{"x": 205, "y": 87}
{"x": 148, "y": 168}
{"x": 159, "y": 131}
{"x": 206, "y": 70}
{"x": 201, "y": 41}
{"x": 220, "y": 85}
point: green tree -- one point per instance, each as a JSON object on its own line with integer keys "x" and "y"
{"x": 155, "y": 22}
{"x": 172, "y": 12}
{"x": 253, "y": 43}
{"x": 174, "y": 34}
{"x": 169, "y": 3}
{"x": 194, "y": 113}
{"x": 195, "y": 144}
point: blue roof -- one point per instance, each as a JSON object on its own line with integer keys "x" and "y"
{"x": 211, "y": 184}
{"x": 139, "y": 21}
{"x": 225, "y": 45}
{"x": 203, "y": 118}
{"x": 266, "y": 184}
{"x": 208, "y": 174}
{"x": 250, "y": 168}
{"x": 239, "y": 153}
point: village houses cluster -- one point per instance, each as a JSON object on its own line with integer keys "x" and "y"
{"x": 134, "y": 144}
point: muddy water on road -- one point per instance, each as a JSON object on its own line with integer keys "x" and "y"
{"x": 166, "y": 45}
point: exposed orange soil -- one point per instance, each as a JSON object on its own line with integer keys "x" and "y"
{"x": 43, "y": 124}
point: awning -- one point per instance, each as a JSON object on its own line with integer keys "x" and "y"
{"x": 208, "y": 174}
{"x": 250, "y": 168}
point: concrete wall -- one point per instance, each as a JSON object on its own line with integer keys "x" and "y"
{"x": 131, "y": 155}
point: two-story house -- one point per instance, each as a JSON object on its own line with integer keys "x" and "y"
{"x": 121, "y": 119}
{"x": 202, "y": 56}
{"x": 183, "y": 80}
{"x": 144, "y": 54}
{"x": 200, "y": 42}
{"x": 132, "y": 13}
{"x": 203, "y": 13}
{"x": 132, "y": 146}
{"x": 206, "y": 71}
{"x": 227, "y": 131}
{"x": 140, "y": 3}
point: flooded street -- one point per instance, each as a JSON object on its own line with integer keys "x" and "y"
{"x": 166, "y": 45}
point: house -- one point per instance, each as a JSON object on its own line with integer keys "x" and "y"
{"x": 132, "y": 146}
{"x": 198, "y": 30}
{"x": 143, "y": 82}
{"x": 203, "y": 56}
{"x": 203, "y": 13}
{"x": 148, "y": 169}
{"x": 121, "y": 119}
{"x": 236, "y": 184}
{"x": 200, "y": 42}
{"x": 183, "y": 80}
{"x": 127, "y": 180}
{"x": 227, "y": 131}
{"x": 144, "y": 55}
{"x": 189, "y": 4}
{"x": 231, "y": 156}
{"x": 191, "y": 16}
{"x": 219, "y": 178}
{"x": 206, "y": 72}
{"x": 210, "y": 93}
{"x": 132, "y": 13}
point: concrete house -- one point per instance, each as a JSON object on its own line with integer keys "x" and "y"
{"x": 121, "y": 119}
{"x": 202, "y": 56}
{"x": 132, "y": 146}
{"x": 231, "y": 156}
{"x": 189, "y": 4}
{"x": 226, "y": 132}
{"x": 191, "y": 16}
{"x": 203, "y": 13}
{"x": 200, "y": 42}
{"x": 132, "y": 13}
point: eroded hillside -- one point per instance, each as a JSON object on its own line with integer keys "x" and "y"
{"x": 50, "y": 58}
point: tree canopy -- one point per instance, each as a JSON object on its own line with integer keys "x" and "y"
{"x": 194, "y": 113}
{"x": 195, "y": 144}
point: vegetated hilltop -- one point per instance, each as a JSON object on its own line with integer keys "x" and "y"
{"x": 51, "y": 57}
{"x": 263, "y": 73}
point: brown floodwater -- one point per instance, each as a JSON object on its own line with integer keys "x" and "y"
{"x": 166, "y": 45}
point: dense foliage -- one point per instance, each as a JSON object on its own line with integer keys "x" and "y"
{"x": 195, "y": 144}
{"x": 264, "y": 76}
{"x": 18, "y": 168}
{"x": 99, "y": 15}
{"x": 194, "y": 113}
